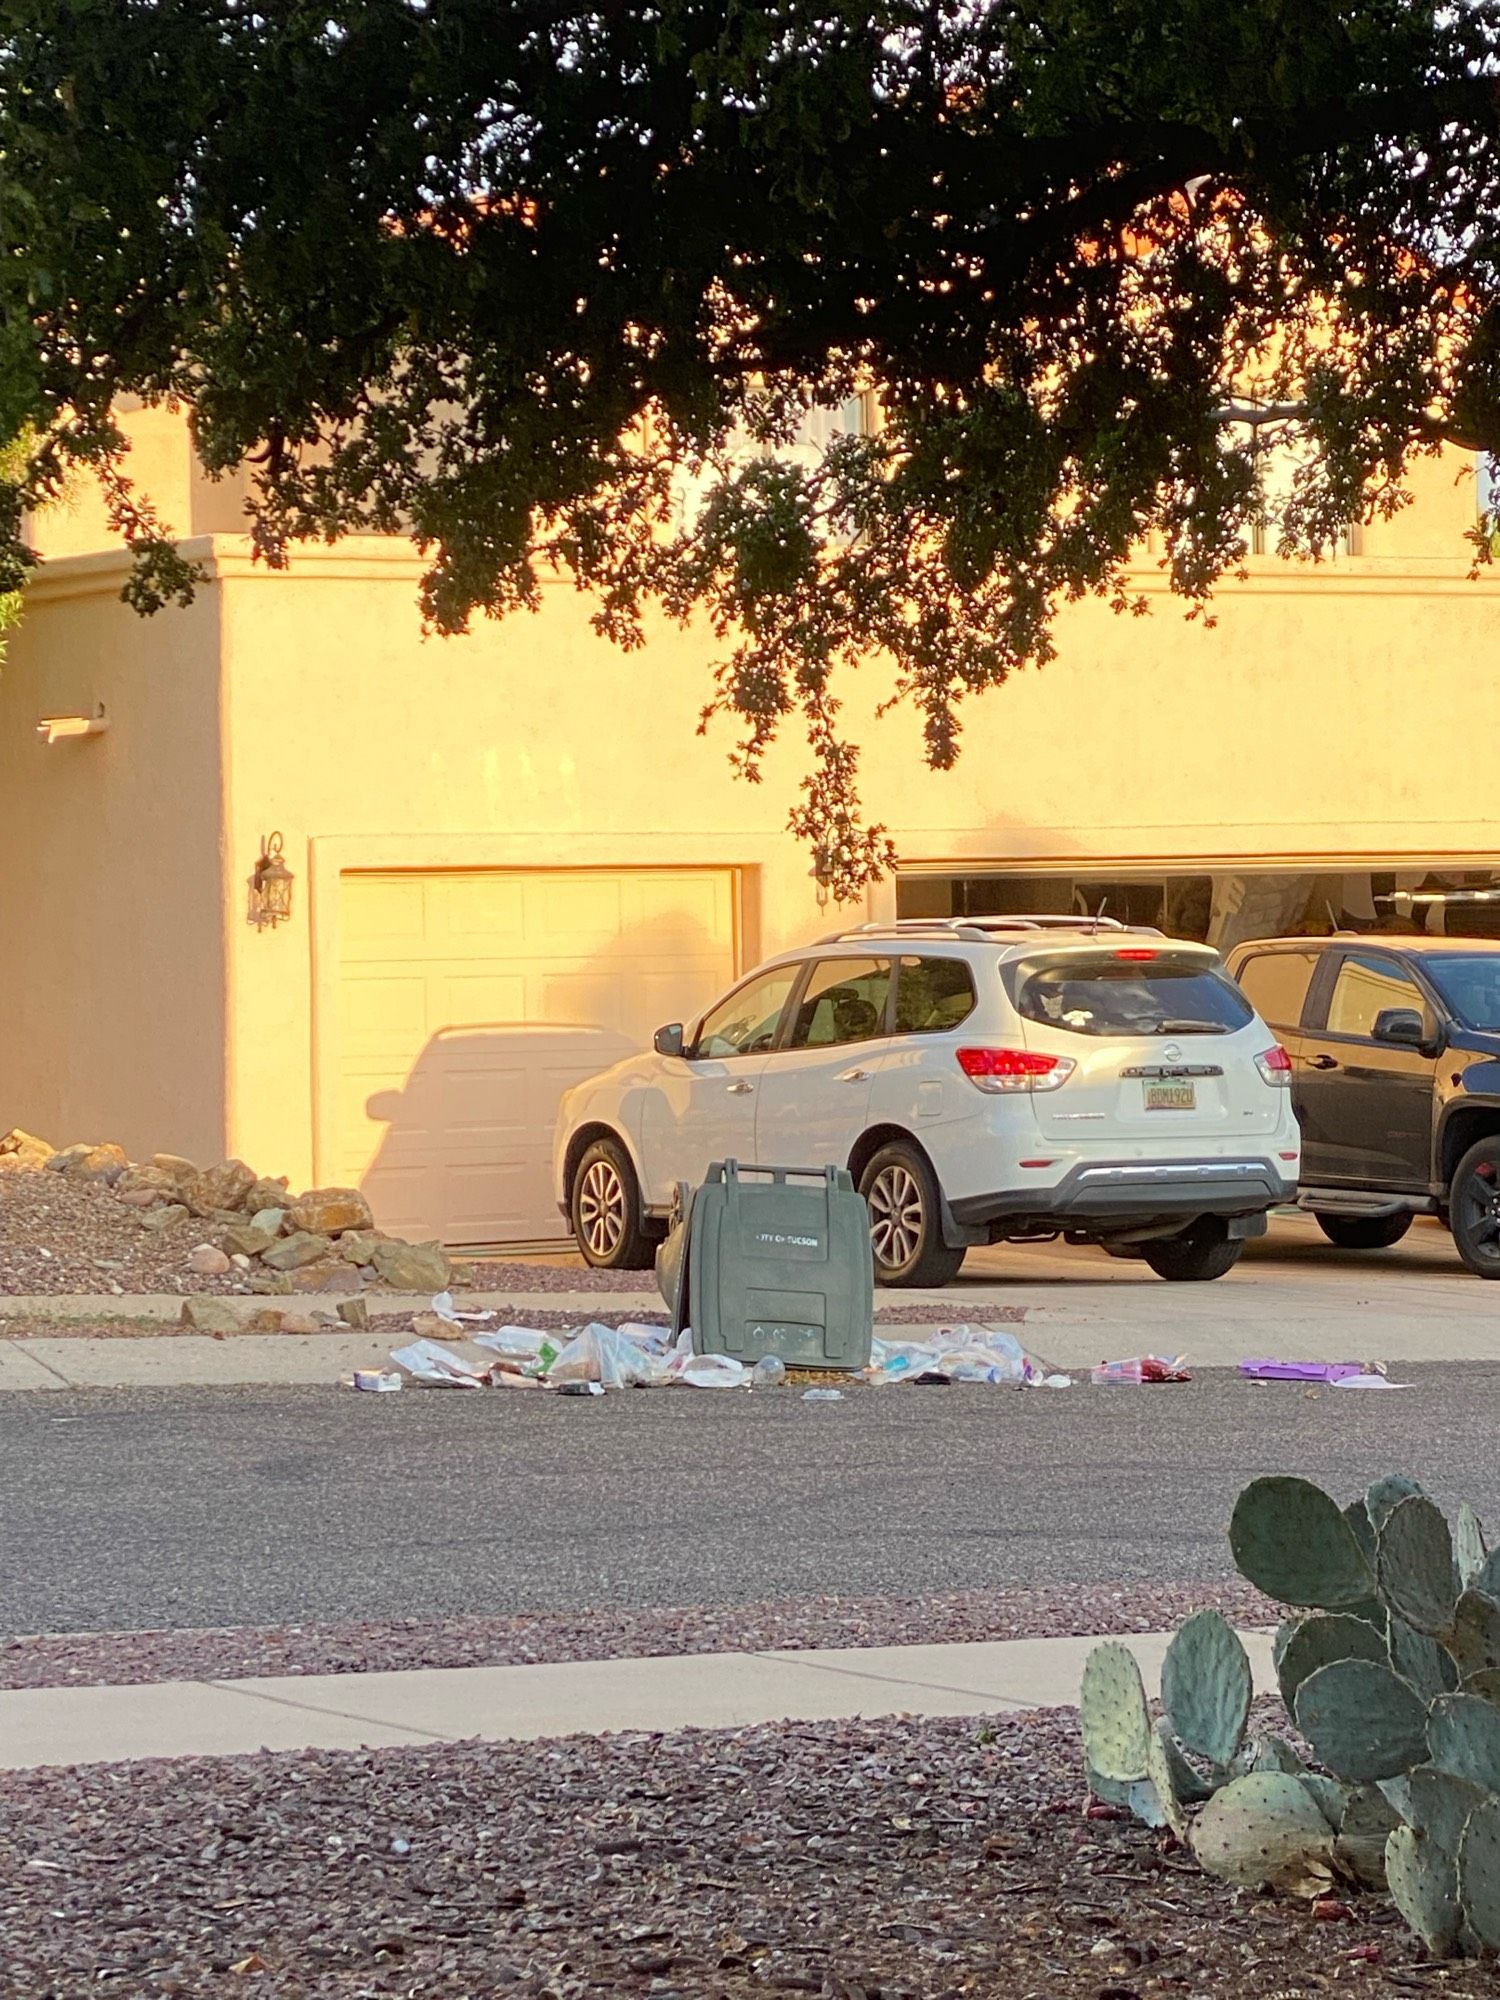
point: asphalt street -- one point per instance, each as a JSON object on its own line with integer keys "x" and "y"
{"x": 201, "y": 1507}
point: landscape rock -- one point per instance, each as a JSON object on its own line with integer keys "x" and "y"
{"x": 264, "y": 1193}
{"x": 329, "y": 1211}
{"x": 223, "y": 1187}
{"x": 140, "y": 1197}
{"x": 102, "y": 1163}
{"x": 272, "y": 1284}
{"x": 247, "y": 1239}
{"x": 357, "y": 1246}
{"x": 25, "y": 1147}
{"x": 211, "y": 1316}
{"x": 240, "y": 1261}
{"x": 413, "y": 1267}
{"x": 60, "y": 1161}
{"x": 354, "y": 1312}
{"x": 178, "y": 1170}
{"x": 266, "y": 1319}
{"x": 208, "y": 1260}
{"x": 299, "y": 1322}
{"x": 329, "y": 1274}
{"x": 290, "y": 1253}
{"x": 163, "y": 1218}
{"x": 272, "y": 1220}
{"x": 153, "y": 1181}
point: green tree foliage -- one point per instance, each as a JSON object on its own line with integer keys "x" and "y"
{"x": 495, "y": 273}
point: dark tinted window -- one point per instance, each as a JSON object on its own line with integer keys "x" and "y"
{"x": 1367, "y": 984}
{"x": 1470, "y": 985}
{"x": 844, "y": 1001}
{"x": 1108, "y": 996}
{"x": 933, "y": 995}
{"x": 745, "y": 1024}
{"x": 1277, "y": 983}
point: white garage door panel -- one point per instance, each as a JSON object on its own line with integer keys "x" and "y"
{"x": 469, "y": 1002}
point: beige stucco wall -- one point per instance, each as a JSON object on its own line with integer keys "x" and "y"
{"x": 112, "y": 1002}
{"x": 1336, "y": 709}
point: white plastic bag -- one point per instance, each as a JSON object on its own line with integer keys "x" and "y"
{"x": 604, "y": 1355}
{"x": 516, "y": 1343}
{"x": 708, "y": 1371}
{"x": 429, "y": 1361}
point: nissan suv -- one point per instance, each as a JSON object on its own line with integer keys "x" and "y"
{"x": 984, "y": 1079}
{"x": 1395, "y": 1048}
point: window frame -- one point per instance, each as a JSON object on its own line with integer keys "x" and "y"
{"x": 1308, "y": 951}
{"x": 762, "y": 972}
{"x": 1430, "y": 1010}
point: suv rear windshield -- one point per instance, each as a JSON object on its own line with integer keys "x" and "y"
{"x": 1470, "y": 983}
{"x": 1111, "y": 996}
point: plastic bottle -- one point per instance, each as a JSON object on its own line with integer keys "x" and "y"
{"x": 768, "y": 1373}
{"x": 822, "y": 1395}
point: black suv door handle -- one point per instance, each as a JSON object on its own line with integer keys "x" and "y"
{"x": 1324, "y": 1062}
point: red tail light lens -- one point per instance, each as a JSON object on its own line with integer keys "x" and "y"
{"x": 998, "y": 1070}
{"x": 1275, "y": 1067}
{"x": 1136, "y": 954}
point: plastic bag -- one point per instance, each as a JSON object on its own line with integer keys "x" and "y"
{"x": 1143, "y": 1368}
{"x": 429, "y": 1361}
{"x": 514, "y": 1343}
{"x": 708, "y": 1371}
{"x": 604, "y": 1355}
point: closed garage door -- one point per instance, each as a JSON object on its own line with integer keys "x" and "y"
{"x": 469, "y": 1001}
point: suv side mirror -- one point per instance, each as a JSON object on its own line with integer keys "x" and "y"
{"x": 1403, "y": 1026}
{"x": 668, "y": 1041}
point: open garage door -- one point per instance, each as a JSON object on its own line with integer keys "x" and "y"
{"x": 469, "y": 1001}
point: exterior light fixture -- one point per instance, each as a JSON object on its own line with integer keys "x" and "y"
{"x": 270, "y": 886}
{"x": 60, "y": 728}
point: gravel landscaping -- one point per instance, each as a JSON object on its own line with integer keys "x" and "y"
{"x": 62, "y": 1235}
{"x": 616, "y": 1633}
{"x": 890, "y": 1860}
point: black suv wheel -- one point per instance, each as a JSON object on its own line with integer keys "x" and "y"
{"x": 1364, "y": 1232}
{"x": 607, "y": 1223}
{"x": 1205, "y": 1251}
{"x": 906, "y": 1231}
{"x": 1474, "y": 1208}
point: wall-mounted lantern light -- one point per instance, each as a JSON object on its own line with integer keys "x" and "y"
{"x": 270, "y": 886}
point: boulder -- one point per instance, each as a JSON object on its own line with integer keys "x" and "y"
{"x": 240, "y": 1261}
{"x": 357, "y": 1246}
{"x": 266, "y": 1319}
{"x": 247, "y": 1239}
{"x": 211, "y": 1316}
{"x": 182, "y": 1173}
{"x": 264, "y": 1193}
{"x": 163, "y": 1218}
{"x": 222, "y": 1187}
{"x": 413, "y": 1267}
{"x": 63, "y": 1161}
{"x": 154, "y": 1181}
{"x": 290, "y": 1253}
{"x": 328, "y": 1274}
{"x": 330, "y": 1211}
{"x": 354, "y": 1312}
{"x": 271, "y": 1220}
{"x": 140, "y": 1197}
{"x": 207, "y": 1260}
{"x": 106, "y": 1164}
{"x": 25, "y": 1147}
{"x": 295, "y": 1322}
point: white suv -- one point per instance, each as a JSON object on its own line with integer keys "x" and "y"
{"x": 985, "y": 1079}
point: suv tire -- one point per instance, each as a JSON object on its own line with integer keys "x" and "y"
{"x": 1205, "y": 1251}
{"x": 906, "y": 1230}
{"x": 1474, "y": 1208}
{"x": 605, "y": 1210}
{"x": 1365, "y": 1232}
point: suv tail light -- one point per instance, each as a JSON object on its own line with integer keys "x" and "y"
{"x": 998, "y": 1070}
{"x": 1275, "y": 1067}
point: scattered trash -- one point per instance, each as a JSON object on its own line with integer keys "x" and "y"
{"x": 429, "y": 1361}
{"x": 961, "y": 1354}
{"x": 1144, "y": 1368}
{"x": 579, "y": 1388}
{"x": 443, "y": 1306}
{"x": 379, "y": 1381}
{"x": 1305, "y": 1371}
{"x": 822, "y": 1395}
{"x": 1375, "y": 1381}
{"x": 607, "y": 1355}
{"x": 768, "y": 1373}
{"x": 707, "y": 1371}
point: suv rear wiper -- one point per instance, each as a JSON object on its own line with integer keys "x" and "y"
{"x": 1190, "y": 1028}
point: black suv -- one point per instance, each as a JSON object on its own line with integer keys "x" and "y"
{"x": 1395, "y": 1048}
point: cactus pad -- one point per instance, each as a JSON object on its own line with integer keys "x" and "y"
{"x": 1162, "y": 1774}
{"x": 1274, "y": 1753}
{"x": 1363, "y": 1721}
{"x": 1206, "y": 1686}
{"x": 1479, "y": 1873}
{"x": 1369, "y": 1821}
{"x": 1463, "y": 1736}
{"x": 1420, "y": 1660}
{"x": 1320, "y": 1640}
{"x": 1385, "y": 1494}
{"x": 1414, "y": 1562}
{"x": 1290, "y": 1539}
{"x": 1468, "y": 1544}
{"x": 1474, "y": 1641}
{"x": 1113, "y": 1714}
{"x": 1423, "y": 1883}
{"x": 1439, "y": 1804}
{"x": 1264, "y": 1831}
{"x": 1486, "y": 1684}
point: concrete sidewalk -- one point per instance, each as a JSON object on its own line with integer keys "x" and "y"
{"x": 84, "y": 1725}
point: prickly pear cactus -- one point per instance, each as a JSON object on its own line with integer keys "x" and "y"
{"x": 1391, "y": 1668}
{"x": 1113, "y": 1714}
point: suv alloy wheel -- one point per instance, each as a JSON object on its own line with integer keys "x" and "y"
{"x": 606, "y": 1203}
{"x": 905, "y": 1226}
{"x": 1474, "y": 1208}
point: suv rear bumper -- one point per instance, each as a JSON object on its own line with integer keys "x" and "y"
{"x": 1125, "y": 1193}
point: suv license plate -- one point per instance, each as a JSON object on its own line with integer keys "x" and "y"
{"x": 1171, "y": 1097}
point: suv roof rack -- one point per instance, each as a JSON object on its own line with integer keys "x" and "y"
{"x": 973, "y": 928}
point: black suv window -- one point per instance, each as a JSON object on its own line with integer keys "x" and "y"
{"x": 1132, "y": 992}
{"x": 1277, "y": 982}
{"x": 1470, "y": 983}
{"x": 843, "y": 1001}
{"x": 933, "y": 995}
{"x": 1367, "y": 984}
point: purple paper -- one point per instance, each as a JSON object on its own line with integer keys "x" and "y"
{"x": 1300, "y": 1371}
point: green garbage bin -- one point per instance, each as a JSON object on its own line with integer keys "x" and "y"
{"x": 773, "y": 1260}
